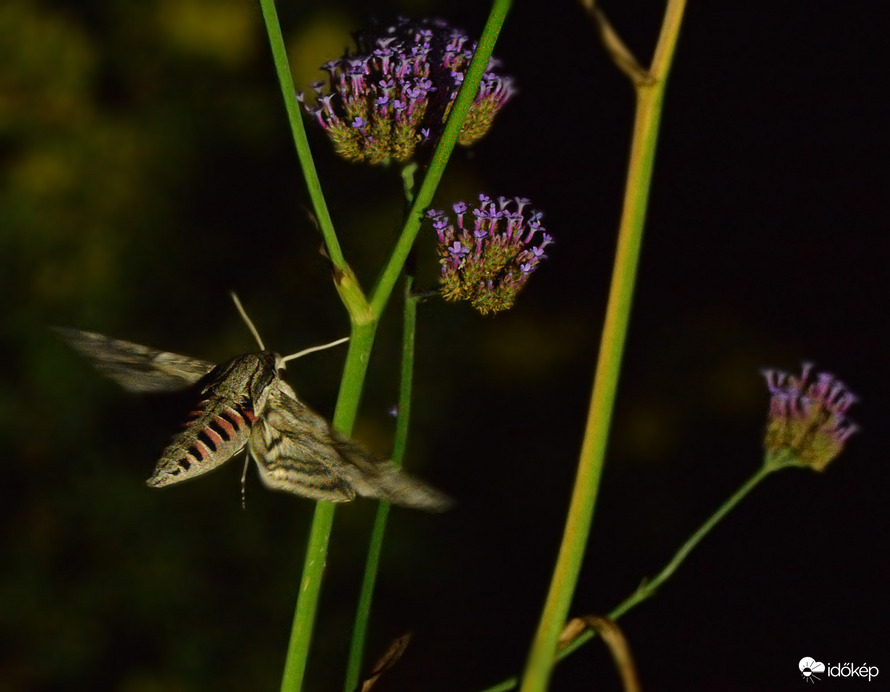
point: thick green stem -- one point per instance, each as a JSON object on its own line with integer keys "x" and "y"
{"x": 319, "y": 534}
{"x": 650, "y": 95}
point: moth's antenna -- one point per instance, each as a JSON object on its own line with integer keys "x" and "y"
{"x": 243, "y": 313}
{"x": 307, "y": 351}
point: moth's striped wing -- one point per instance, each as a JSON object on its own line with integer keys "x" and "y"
{"x": 292, "y": 447}
{"x": 297, "y": 451}
{"x": 133, "y": 366}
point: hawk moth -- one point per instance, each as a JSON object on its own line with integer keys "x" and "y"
{"x": 246, "y": 402}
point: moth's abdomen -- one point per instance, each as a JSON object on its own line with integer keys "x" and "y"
{"x": 214, "y": 433}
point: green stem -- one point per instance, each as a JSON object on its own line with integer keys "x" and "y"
{"x": 380, "y": 297}
{"x": 319, "y": 533}
{"x": 650, "y": 95}
{"x": 648, "y": 588}
{"x": 363, "y": 322}
{"x": 363, "y": 315}
{"x": 298, "y": 132}
{"x": 375, "y": 548}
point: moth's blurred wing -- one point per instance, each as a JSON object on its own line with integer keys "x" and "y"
{"x": 291, "y": 445}
{"x": 386, "y": 480}
{"x": 135, "y": 367}
{"x": 297, "y": 451}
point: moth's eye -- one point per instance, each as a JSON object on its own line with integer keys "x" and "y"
{"x": 282, "y": 373}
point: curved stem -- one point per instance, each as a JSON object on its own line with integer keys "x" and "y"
{"x": 648, "y": 588}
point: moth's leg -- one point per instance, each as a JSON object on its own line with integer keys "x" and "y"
{"x": 244, "y": 478}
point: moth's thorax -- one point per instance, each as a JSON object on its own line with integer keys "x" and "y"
{"x": 250, "y": 374}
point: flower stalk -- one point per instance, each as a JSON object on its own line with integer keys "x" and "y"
{"x": 807, "y": 427}
{"x": 649, "y": 587}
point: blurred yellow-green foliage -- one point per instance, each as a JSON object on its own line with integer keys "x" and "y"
{"x": 146, "y": 169}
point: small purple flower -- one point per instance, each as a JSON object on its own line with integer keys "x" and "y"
{"x": 488, "y": 263}
{"x": 807, "y": 424}
{"x": 458, "y": 250}
{"x": 390, "y": 81}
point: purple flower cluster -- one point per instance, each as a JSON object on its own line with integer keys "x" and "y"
{"x": 398, "y": 89}
{"x": 807, "y": 418}
{"x": 489, "y": 251}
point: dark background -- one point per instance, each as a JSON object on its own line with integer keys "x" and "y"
{"x": 146, "y": 169}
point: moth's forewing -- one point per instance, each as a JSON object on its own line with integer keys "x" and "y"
{"x": 135, "y": 367}
{"x": 221, "y": 422}
{"x": 297, "y": 451}
{"x": 292, "y": 449}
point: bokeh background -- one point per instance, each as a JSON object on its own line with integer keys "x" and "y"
{"x": 146, "y": 170}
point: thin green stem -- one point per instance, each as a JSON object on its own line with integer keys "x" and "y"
{"x": 389, "y": 276}
{"x": 289, "y": 94}
{"x": 364, "y": 324}
{"x": 650, "y": 96}
{"x": 648, "y": 588}
{"x": 382, "y": 293}
{"x": 375, "y": 548}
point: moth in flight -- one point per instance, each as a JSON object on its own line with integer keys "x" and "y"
{"x": 246, "y": 403}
